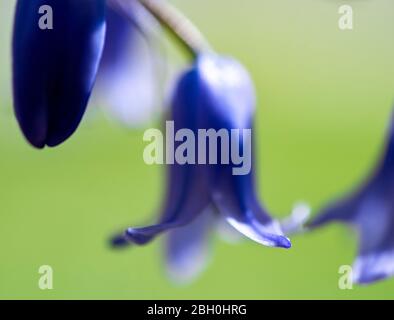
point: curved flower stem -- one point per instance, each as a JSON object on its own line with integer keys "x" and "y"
{"x": 178, "y": 25}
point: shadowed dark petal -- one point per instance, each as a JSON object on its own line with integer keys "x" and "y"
{"x": 187, "y": 191}
{"x": 227, "y": 101}
{"x": 186, "y": 198}
{"x": 187, "y": 207}
{"x": 54, "y": 69}
{"x": 341, "y": 211}
{"x": 187, "y": 248}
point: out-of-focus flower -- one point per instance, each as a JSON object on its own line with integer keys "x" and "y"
{"x": 216, "y": 93}
{"x": 370, "y": 210}
{"x": 129, "y": 76}
{"x": 54, "y": 69}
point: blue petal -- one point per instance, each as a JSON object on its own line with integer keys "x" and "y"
{"x": 187, "y": 191}
{"x": 227, "y": 101}
{"x": 236, "y": 199}
{"x": 342, "y": 210}
{"x": 374, "y": 267}
{"x": 54, "y": 69}
{"x": 186, "y": 199}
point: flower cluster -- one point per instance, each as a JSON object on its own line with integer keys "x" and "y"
{"x": 55, "y": 71}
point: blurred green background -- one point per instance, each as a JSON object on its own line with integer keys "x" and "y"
{"x": 325, "y": 96}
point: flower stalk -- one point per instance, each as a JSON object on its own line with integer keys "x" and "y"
{"x": 172, "y": 19}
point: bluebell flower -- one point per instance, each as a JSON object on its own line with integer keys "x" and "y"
{"x": 128, "y": 80}
{"x": 54, "y": 66}
{"x": 215, "y": 93}
{"x": 370, "y": 210}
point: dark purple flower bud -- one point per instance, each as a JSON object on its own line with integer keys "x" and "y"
{"x": 370, "y": 210}
{"x": 57, "y": 47}
{"x": 215, "y": 95}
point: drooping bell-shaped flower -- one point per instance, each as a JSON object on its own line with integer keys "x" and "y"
{"x": 370, "y": 210}
{"x": 56, "y": 51}
{"x": 128, "y": 80}
{"x": 215, "y": 95}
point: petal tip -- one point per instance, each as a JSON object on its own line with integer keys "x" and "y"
{"x": 38, "y": 146}
{"x": 119, "y": 241}
{"x": 135, "y": 236}
{"x": 284, "y": 242}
